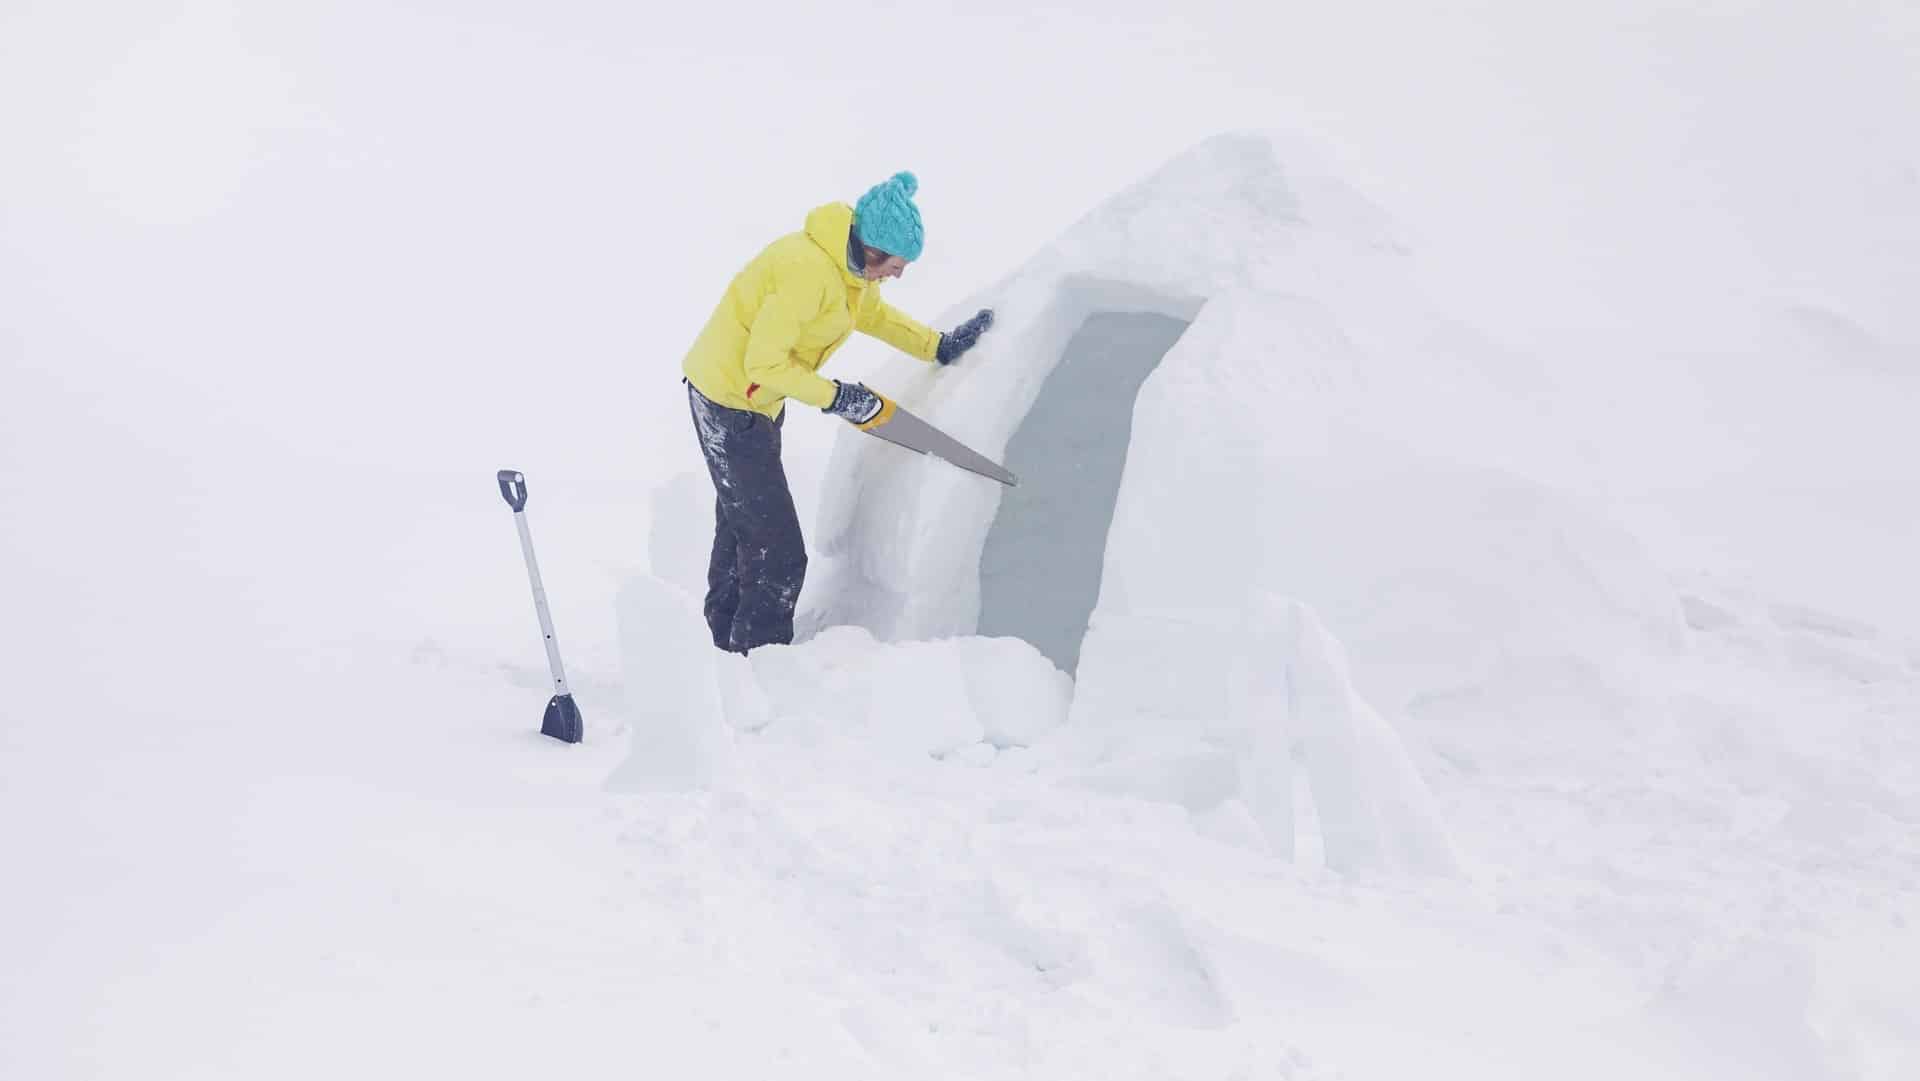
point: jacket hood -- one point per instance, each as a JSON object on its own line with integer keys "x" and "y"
{"x": 828, "y": 226}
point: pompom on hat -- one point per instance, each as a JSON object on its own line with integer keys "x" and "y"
{"x": 887, "y": 219}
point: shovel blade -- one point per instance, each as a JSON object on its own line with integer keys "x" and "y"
{"x": 562, "y": 720}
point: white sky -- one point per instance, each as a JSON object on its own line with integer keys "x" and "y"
{"x": 409, "y": 214}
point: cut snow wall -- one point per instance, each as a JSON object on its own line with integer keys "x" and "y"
{"x": 1040, "y": 567}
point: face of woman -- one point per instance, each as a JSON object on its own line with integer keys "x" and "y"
{"x": 880, "y": 265}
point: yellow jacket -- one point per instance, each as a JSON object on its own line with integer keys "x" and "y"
{"x": 786, "y": 313}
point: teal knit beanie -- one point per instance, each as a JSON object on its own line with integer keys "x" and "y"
{"x": 887, "y": 219}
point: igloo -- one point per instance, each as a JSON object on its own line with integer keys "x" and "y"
{"x": 1136, "y": 380}
{"x": 1147, "y": 377}
{"x": 1261, "y": 475}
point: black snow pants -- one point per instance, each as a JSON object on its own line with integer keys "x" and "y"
{"x": 759, "y": 559}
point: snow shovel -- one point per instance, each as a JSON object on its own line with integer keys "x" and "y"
{"x": 903, "y": 429}
{"x": 562, "y": 719}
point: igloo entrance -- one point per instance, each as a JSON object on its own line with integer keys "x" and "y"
{"x": 1041, "y": 563}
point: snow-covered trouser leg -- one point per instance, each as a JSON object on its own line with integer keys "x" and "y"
{"x": 759, "y": 559}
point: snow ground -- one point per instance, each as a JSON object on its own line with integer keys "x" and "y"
{"x": 852, "y": 907}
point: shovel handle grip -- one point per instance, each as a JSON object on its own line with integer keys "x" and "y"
{"x": 513, "y": 487}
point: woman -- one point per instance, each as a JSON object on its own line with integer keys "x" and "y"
{"x": 781, "y": 318}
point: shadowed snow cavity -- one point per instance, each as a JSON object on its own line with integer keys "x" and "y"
{"x": 1040, "y": 568}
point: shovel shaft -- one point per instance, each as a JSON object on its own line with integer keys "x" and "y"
{"x": 540, "y": 605}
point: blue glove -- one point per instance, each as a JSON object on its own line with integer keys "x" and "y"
{"x": 854, "y": 403}
{"x": 962, "y": 338}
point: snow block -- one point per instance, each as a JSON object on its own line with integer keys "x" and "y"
{"x": 918, "y": 701}
{"x": 680, "y": 532}
{"x": 1271, "y": 685}
{"x": 995, "y": 691}
{"x": 1375, "y": 811}
{"x": 1017, "y": 694}
{"x": 969, "y": 697}
{"x": 680, "y": 740}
